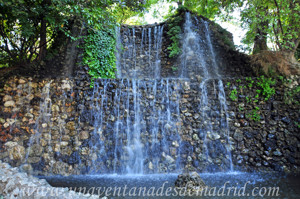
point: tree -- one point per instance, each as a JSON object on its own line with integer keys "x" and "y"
{"x": 28, "y": 27}
{"x": 207, "y": 8}
{"x": 273, "y": 20}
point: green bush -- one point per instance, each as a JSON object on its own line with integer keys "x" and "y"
{"x": 265, "y": 85}
{"x": 99, "y": 53}
{"x": 233, "y": 95}
{"x": 174, "y": 33}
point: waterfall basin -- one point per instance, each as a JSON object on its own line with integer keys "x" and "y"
{"x": 219, "y": 185}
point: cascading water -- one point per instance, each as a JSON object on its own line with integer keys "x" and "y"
{"x": 138, "y": 121}
{"x": 139, "y": 52}
{"x": 198, "y": 53}
{"x": 44, "y": 117}
{"x": 192, "y": 58}
{"x": 141, "y": 137}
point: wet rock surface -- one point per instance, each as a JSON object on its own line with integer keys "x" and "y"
{"x": 15, "y": 184}
{"x": 62, "y": 126}
{"x": 55, "y": 130}
{"x": 192, "y": 182}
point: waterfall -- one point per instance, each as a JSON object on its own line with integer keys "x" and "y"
{"x": 222, "y": 97}
{"x": 137, "y": 118}
{"x": 45, "y": 113}
{"x": 198, "y": 53}
{"x": 192, "y": 58}
{"x": 139, "y": 52}
{"x": 136, "y": 126}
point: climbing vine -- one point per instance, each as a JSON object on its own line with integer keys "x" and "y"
{"x": 233, "y": 95}
{"x": 265, "y": 85}
{"x": 264, "y": 89}
{"x": 174, "y": 32}
{"x": 99, "y": 53}
{"x": 254, "y": 114}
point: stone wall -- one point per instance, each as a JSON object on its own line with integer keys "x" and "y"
{"x": 143, "y": 47}
{"x": 49, "y": 126}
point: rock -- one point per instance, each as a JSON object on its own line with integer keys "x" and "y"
{"x": 151, "y": 97}
{"x": 7, "y": 98}
{"x": 191, "y": 181}
{"x": 33, "y": 160}
{"x": 29, "y": 115}
{"x": 195, "y": 137}
{"x": 10, "y": 144}
{"x": 277, "y": 153}
{"x": 55, "y": 108}
{"x": 213, "y": 136}
{"x": 168, "y": 126}
{"x": 33, "y": 84}
{"x": 169, "y": 159}
{"x": 17, "y": 152}
{"x": 237, "y": 124}
{"x": 6, "y": 125}
{"x": 286, "y": 120}
{"x": 56, "y": 148}
{"x": 65, "y": 138}
{"x": 13, "y": 181}
{"x": 9, "y": 104}
{"x": 196, "y": 116}
{"x": 27, "y": 168}
{"x": 85, "y": 151}
{"x": 112, "y": 118}
{"x": 184, "y": 110}
{"x": 244, "y": 123}
{"x": 35, "y": 150}
{"x": 66, "y": 85}
{"x": 175, "y": 144}
{"x": 238, "y": 135}
{"x": 22, "y": 81}
{"x": 186, "y": 86}
{"x": 83, "y": 135}
{"x": 71, "y": 126}
{"x": 43, "y": 142}
{"x": 64, "y": 144}
{"x": 150, "y": 166}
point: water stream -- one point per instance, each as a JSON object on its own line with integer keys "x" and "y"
{"x": 143, "y": 125}
{"x": 137, "y": 119}
{"x": 198, "y": 53}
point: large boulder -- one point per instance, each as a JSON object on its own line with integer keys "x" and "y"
{"x": 192, "y": 182}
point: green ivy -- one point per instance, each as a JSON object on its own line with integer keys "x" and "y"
{"x": 233, "y": 95}
{"x": 99, "y": 53}
{"x": 241, "y": 108}
{"x": 174, "y": 33}
{"x": 254, "y": 114}
{"x": 297, "y": 124}
{"x": 265, "y": 87}
{"x": 174, "y": 68}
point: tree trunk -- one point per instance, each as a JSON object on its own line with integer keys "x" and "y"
{"x": 43, "y": 40}
{"x": 43, "y": 31}
{"x": 260, "y": 40}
